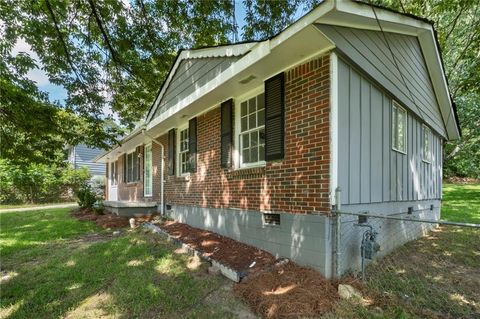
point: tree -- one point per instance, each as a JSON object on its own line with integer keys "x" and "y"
{"x": 105, "y": 53}
{"x": 458, "y": 25}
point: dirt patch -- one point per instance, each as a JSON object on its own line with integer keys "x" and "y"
{"x": 236, "y": 255}
{"x": 288, "y": 291}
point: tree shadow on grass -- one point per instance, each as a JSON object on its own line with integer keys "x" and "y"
{"x": 130, "y": 276}
{"x": 433, "y": 277}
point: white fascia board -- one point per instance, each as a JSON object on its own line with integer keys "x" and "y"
{"x": 439, "y": 82}
{"x": 369, "y": 11}
{"x": 220, "y": 51}
{"x": 260, "y": 50}
{"x": 308, "y": 19}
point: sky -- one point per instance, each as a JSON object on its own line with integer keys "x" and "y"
{"x": 58, "y": 93}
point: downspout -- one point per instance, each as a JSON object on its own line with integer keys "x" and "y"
{"x": 162, "y": 164}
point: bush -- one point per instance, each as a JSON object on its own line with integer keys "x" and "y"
{"x": 39, "y": 183}
{"x": 86, "y": 196}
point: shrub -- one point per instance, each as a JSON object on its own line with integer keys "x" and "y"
{"x": 86, "y": 196}
{"x": 39, "y": 183}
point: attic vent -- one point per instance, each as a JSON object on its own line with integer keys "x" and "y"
{"x": 271, "y": 219}
{"x": 248, "y": 79}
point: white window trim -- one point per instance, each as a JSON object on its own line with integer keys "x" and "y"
{"x": 427, "y": 159}
{"x": 177, "y": 150}
{"x": 395, "y": 104}
{"x": 237, "y": 154}
{"x": 149, "y": 145}
{"x": 113, "y": 170}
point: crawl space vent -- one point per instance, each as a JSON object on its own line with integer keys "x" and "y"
{"x": 271, "y": 219}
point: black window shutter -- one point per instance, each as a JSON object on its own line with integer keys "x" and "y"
{"x": 275, "y": 118}
{"x": 171, "y": 152}
{"x": 226, "y": 133}
{"x": 125, "y": 168}
{"x": 192, "y": 145}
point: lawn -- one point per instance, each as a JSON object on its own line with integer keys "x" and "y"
{"x": 437, "y": 276}
{"x": 54, "y": 266}
{"x": 461, "y": 203}
{"x": 9, "y": 206}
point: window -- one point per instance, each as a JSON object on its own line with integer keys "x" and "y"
{"x": 426, "y": 154}
{"x": 113, "y": 173}
{"x": 252, "y": 131}
{"x": 183, "y": 166}
{"x": 147, "y": 172}
{"x": 399, "y": 128}
{"x": 132, "y": 167}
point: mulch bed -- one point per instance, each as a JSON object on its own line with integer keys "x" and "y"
{"x": 104, "y": 221}
{"x": 227, "y": 251}
{"x": 288, "y": 291}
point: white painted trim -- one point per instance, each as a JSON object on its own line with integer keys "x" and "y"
{"x": 427, "y": 159}
{"x": 148, "y": 145}
{"x": 397, "y": 105}
{"x": 333, "y": 126}
{"x": 177, "y": 149}
{"x": 237, "y": 156}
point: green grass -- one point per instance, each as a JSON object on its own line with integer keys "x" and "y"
{"x": 61, "y": 267}
{"x": 435, "y": 276}
{"x": 5, "y": 206}
{"x": 461, "y": 203}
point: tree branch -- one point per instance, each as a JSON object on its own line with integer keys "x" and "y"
{"x": 65, "y": 48}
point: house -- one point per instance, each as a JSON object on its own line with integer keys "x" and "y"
{"x": 251, "y": 140}
{"x": 83, "y": 156}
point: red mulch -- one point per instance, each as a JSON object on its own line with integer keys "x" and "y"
{"x": 227, "y": 251}
{"x": 288, "y": 291}
{"x": 104, "y": 221}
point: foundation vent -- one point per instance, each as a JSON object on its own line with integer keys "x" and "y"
{"x": 271, "y": 219}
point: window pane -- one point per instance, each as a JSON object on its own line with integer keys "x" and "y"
{"x": 252, "y": 121}
{"x": 246, "y": 155}
{"x": 261, "y": 102}
{"x": 261, "y": 153}
{"x": 244, "y": 124}
{"x": 261, "y": 117}
{"x": 245, "y": 141}
{"x": 261, "y": 133}
{"x": 244, "y": 108}
{"x": 254, "y": 138}
{"x": 254, "y": 154}
{"x": 252, "y": 105}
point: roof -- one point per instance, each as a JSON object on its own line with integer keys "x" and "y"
{"x": 354, "y": 14}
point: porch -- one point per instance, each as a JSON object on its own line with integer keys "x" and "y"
{"x": 134, "y": 209}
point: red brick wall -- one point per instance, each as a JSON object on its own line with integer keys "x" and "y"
{"x": 297, "y": 184}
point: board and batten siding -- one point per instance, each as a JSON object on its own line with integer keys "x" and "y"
{"x": 369, "y": 170}
{"x": 84, "y": 156}
{"x": 190, "y": 75}
{"x": 396, "y": 62}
